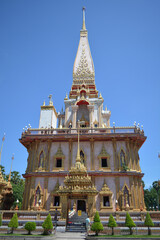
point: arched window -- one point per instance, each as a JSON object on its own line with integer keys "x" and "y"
{"x": 122, "y": 158}
{"x": 82, "y": 157}
{"x": 41, "y": 160}
{"x": 126, "y": 197}
{"x": 37, "y": 196}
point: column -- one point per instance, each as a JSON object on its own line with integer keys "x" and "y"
{"x": 127, "y": 151}
{"x": 116, "y": 161}
{"x": 66, "y": 116}
{"x": 64, "y": 206}
{"x": 100, "y": 116}
{"x": 90, "y": 108}
{"x": 74, "y": 115}
{"x": 70, "y": 154}
{"x": 45, "y": 193}
{"x": 92, "y": 153}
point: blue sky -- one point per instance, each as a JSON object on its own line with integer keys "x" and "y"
{"x": 38, "y": 45}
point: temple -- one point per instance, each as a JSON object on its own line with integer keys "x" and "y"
{"x": 76, "y": 159}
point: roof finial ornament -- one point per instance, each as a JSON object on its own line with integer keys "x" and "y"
{"x": 84, "y": 25}
{"x": 50, "y": 100}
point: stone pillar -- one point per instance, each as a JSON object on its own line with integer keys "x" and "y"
{"x": 74, "y": 115}
{"x": 70, "y": 154}
{"x": 47, "y": 160}
{"x": 35, "y": 157}
{"x": 90, "y": 108}
{"x": 64, "y": 212}
{"x": 91, "y": 205}
{"x": 45, "y": 193}
{"x": 127, "y": 151}
{"x": 66, "y": 116}
{"x": 100, "y": 116}
{"x": 92, "y": 153}
{"x": 116, "y": 161}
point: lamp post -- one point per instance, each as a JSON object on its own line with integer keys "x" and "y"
{"x": 117, "y": 205}
{"x": 17, "y": 202}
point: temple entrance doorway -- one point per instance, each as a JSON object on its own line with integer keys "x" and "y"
{"x": 81, "y": 205}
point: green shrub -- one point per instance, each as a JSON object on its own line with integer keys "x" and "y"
{"x": 148, "y": 223}
{"x": 47, "y": 225}
{"x": 0, "y": 219}
{"x": 30, "y": 226}
{"x": 129, "y": 223}
{"x": 112, "y": 223}
{"x": 97, "y": 225}
{"x": 13, "y": 222}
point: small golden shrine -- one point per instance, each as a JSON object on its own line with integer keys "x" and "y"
{"x": 78, "y": 185}
{"x": 5, "y": 191}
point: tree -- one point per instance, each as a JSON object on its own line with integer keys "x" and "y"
{"x": 112, "y": 223}
{"x": 150, "y": 198}
{"x": 129, "y": 223}
{"x": 97, "y": 226}
{"x": 13, "y": 222}
{"x": 148, "y": 223}
{"x": 17, "y": 186}
{"x": 47, "y": 225}
{"x": 30, "y": 226}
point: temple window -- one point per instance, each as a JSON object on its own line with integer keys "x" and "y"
{"x": 106, "y": 202}
{"x": 37, "y": 196}
{"x": 104, "y": 162}
{"x": 41, "y": 160}
{"x": 59, "y": 162}
{"x": 56, "y": 201}
{"x": 122, "y": 158}
{"x": 95, "y": 125}
{"x": 59, "y": 159}
{"x": 105, "y": 198}
{"x": 83, "y": 157}
{"x": 126, "y": 196}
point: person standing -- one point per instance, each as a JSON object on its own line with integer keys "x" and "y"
{"x": 88, "y": 223}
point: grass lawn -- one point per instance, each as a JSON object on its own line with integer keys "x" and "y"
{"x": 25, "y": 234}
{"x": 127, "y": 236}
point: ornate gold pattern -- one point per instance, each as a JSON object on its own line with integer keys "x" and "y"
{"x": 83, "y": 71}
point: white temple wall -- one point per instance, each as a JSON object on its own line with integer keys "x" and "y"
{"x": 120, "y": 145}
{"x": 39, "y": 180}
{"x": 124, "y": 180}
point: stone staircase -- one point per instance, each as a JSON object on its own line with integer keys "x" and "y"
{"x": 77, "y": 223}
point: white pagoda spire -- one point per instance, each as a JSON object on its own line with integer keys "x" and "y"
{"x": 83, "y": 69}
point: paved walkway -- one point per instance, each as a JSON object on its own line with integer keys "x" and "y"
{"x": 69, "y": 236}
